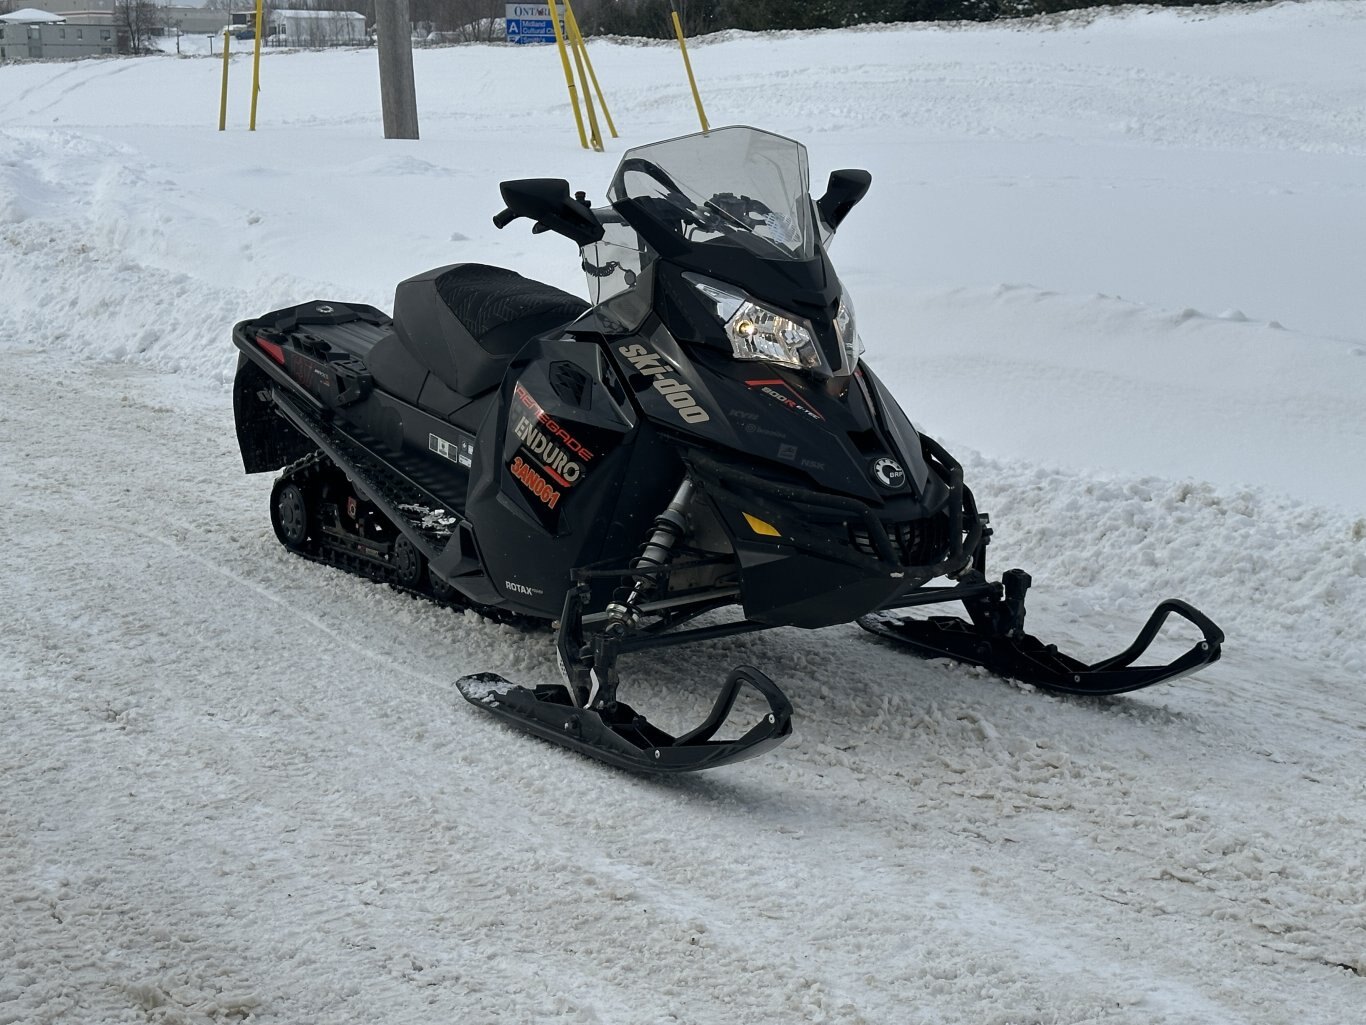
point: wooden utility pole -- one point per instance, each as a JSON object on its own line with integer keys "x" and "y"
{"x": 397, "y": 93}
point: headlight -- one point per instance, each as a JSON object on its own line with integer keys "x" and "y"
{"x": 847, "y": 333}
{"x": 758, "y": 332}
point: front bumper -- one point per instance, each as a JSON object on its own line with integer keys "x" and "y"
{"x": 836, "y": 558}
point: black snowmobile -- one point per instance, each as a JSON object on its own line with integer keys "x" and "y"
{"x": 703, "y": 437}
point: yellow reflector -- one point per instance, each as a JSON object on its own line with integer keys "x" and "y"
{"x": 760, "y": 527}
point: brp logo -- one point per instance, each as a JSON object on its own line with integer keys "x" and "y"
{"x": 888, "y": 473}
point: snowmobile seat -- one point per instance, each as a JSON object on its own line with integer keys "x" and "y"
{"x": 464, "y": 322}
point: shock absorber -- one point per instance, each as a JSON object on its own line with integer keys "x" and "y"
{"x": 655, "y": 556}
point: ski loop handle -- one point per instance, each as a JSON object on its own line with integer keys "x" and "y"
{"x": 779, "y": 708}
{"x": 1213, "y": 636}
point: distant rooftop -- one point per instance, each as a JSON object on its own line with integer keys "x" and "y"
{"x": 31, "y": 16}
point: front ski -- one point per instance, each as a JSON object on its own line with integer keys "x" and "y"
{"x": 615, "y": 733}
{"x": 995, "y": 640}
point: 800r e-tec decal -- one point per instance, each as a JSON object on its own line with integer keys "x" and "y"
{"x": 781, "y": 392}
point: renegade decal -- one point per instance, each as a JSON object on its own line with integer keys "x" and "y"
{"x": 554, "y": 429}
{"x": 678, "y": 394}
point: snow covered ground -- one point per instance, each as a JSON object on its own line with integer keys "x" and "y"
{"x": 1116, "y": 264}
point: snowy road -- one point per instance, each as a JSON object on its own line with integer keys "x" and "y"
{"x": 239, "y": 782}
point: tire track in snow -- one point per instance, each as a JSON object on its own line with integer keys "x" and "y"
{"x": 923, "y": 827}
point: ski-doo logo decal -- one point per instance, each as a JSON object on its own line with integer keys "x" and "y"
{"x": 461, "y": 452}
{"x": 888, "y": 473}
{"x": 534, "y": 482}
{"x": 678, "y": 394}
{"x": 789, "y": 401}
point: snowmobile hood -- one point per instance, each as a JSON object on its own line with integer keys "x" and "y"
{"x": 856, "y": 442}
{"x": 717, "y": 233}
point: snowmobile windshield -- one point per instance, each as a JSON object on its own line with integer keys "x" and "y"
{"x": 738, "y": 188}
{"x": 728, "y": 187}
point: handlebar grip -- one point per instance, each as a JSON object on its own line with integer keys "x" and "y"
{"x": 503, "y": 219}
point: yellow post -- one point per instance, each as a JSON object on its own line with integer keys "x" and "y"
{"x": 572, "y": 23}
{"x": 568, "y": 72}
{"x": 697, "y": 98}
{"x": 223, "y": 103}
{"x": 256, "y": 61}
{"x": 594, "y": 134}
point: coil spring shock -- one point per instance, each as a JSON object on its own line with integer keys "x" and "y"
{"x": 657, "y": 553}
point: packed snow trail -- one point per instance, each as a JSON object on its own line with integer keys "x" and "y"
{"x": 240, "y": 782}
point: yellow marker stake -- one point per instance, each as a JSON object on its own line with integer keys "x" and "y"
{"x": 593, "y": 131}
{"x": 568, "y": 73}
{"x": 223, "y": 103}
{"x": 701, "y": 114}
{"x": 256, "y": 61}
{"x": 573, "y": 25}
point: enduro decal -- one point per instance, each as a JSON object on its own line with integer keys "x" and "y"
{"x": 559, "y": 433}
{"x": 548, "y": 455}
{"x": 553, "y": 459}
{"x": 560, "y": 454}
{"x": 678, "y": 394}
{"x": 790, "y": 401}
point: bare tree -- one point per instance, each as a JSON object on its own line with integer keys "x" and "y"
{"x": 140, "y": 20}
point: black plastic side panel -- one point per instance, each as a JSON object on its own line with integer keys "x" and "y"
{"x": 560, "y": 484}
{"x": 395, "y": 369}
{"x": 267, "y": 441}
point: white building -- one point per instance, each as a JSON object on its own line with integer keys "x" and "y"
{"x": 318, "y": 28}
{"x": 43, "y": 35}
{"x": 288, "y": 27}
